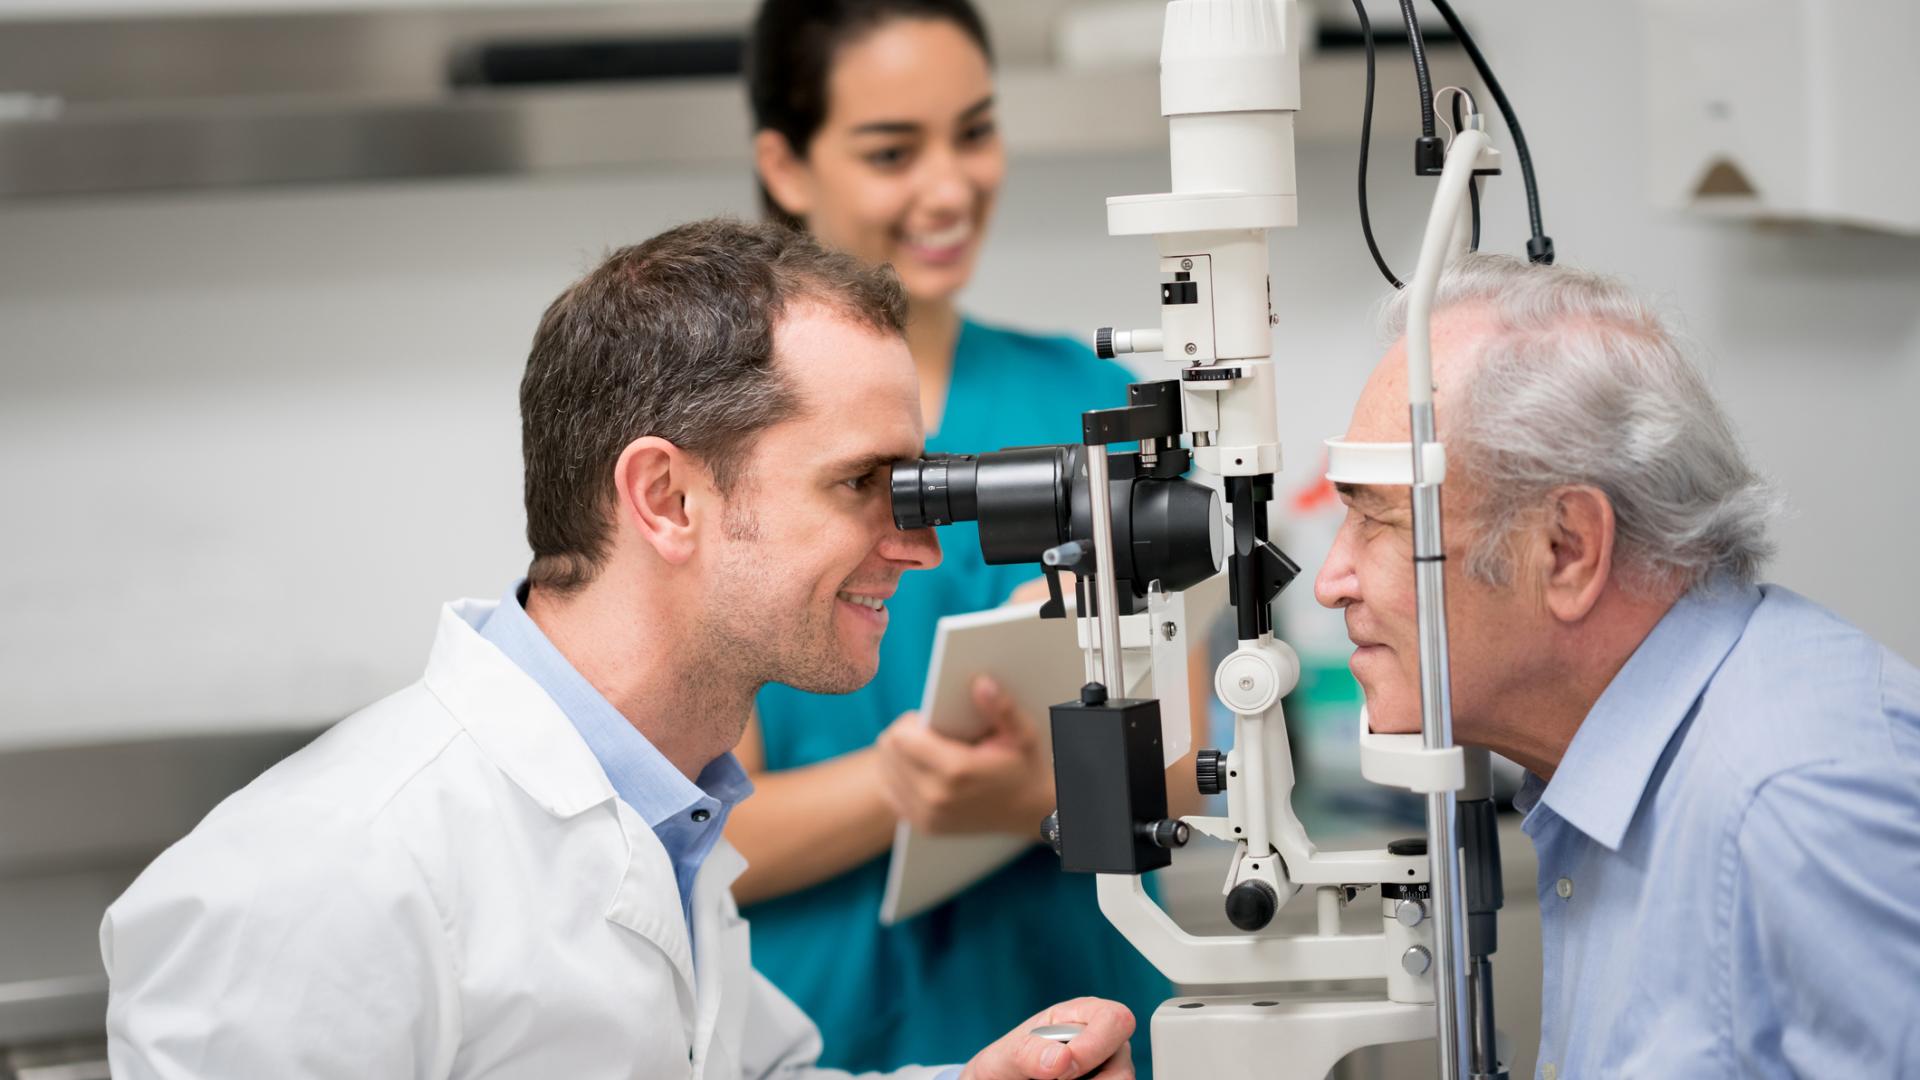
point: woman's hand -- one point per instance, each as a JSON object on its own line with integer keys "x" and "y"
{"x": 942, "y": 785}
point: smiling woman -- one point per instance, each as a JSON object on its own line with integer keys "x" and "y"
{"x": 876, "y": 133}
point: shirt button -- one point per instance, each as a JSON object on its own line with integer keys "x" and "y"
{"x": 1565, "y": 888}
{"x": 1547, "y": 1071}
{"x": 702, "y": 814}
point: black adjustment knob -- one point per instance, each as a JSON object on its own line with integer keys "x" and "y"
{"x": 1168, "y": 833}
{"x": 1103, "y": 343}
{"x": 1251, "y": 905}
{"x": 1407, "y": 845}
{"x": 1050, "y": 831}
{"x": 1210, "y": 771}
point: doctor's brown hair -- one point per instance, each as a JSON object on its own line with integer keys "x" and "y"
{"x": 671, "y": 338}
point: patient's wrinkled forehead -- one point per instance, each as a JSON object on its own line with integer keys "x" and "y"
{"x": 1381, "y": 413}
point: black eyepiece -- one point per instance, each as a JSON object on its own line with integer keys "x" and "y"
{"x": 923, "y": 490}
{"x": 1030, "y": 500}
{"x": 1022, "y": 498}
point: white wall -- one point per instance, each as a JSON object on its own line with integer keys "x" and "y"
{"x": 248, "y": 441}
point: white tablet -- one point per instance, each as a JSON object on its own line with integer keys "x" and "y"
{"x": 1039, "y": 663}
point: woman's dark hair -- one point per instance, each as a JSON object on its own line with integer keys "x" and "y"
{"x": 790, "y": 56}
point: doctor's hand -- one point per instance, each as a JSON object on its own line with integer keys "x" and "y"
{"x": 942, "y": 785}
{"x": 1101, "y": 1050}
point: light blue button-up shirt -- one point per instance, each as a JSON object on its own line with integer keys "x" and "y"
{"x": 686, "y": 815}
{"x": 1730, "y": 854}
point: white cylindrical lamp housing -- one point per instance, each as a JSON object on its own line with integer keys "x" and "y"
{"x": 1229, "y": 86}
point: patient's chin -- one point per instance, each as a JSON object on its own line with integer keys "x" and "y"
{"x": 1387, "y": 716}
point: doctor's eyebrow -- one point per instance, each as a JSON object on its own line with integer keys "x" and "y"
{"x": 861, "y": 465}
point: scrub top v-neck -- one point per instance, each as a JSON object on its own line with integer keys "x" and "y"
{"x": 941, "y": 986}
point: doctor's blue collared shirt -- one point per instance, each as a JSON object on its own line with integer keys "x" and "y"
{"x": 686, "y": 816}
{"x": 1730, "y": 854}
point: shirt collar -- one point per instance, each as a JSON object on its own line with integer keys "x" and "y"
{"x": 642, "y": 776}
{"x": 1601, "y": 780}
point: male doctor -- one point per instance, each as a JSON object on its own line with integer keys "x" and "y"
{"x": 514, "y": 867}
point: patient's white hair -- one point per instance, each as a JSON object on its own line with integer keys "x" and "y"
{"x": 1583, "y": 383}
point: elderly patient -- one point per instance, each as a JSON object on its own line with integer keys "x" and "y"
{"x": 1724, "y": 784}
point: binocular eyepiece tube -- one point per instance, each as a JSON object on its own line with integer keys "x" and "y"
{"x": 1029, "y": 500}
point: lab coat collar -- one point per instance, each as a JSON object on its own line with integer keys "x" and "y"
{"x": 520, "y": 729}
{"x": 515, "y": 724}
{"x": 1603, "y": 777}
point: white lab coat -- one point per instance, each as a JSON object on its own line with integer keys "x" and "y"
{"x": 444, "y": 885}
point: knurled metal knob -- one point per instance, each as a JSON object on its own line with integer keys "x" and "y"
{"x": 1210, "y": 771}
{"x": 1409, "y": 913}
{"x": 1416, "y": 960}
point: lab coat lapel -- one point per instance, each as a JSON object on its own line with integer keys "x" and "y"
{"x": 724, "y": 966}
{"x": 648, "y": 903}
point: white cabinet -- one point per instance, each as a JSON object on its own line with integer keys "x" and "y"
{"x": 1785, "y": 109}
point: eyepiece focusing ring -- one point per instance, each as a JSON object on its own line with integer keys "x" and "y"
{"x": 937, "y": 489}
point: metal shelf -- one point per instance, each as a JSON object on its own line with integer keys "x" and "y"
{"x": 120, "y": 146}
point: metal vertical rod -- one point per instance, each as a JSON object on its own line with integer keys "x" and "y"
{"x": 1105, "y": 585}
{"x": 1480, "y": 861}
{"x": 1486, "y": 1052}
{"x": 1436, "y": 726}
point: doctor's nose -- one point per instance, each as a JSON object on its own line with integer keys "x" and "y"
{"x": 918, "y": 548}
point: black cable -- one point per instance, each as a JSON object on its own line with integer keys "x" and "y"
{"x": 1540, "y": 245}
{"x": 1366, "y": 137}
{"x": 1419, "y": 47}
{"x": 1473, "y": 182}
{"x": 1473, "y": 196}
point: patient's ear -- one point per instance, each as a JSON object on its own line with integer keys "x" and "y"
{"x": 1575, "y": 551}
{"x": 786, "y": 176}
{"x": 654, "y": 479}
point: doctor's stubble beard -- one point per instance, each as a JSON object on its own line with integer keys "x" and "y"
{"x": 771, "y": 642}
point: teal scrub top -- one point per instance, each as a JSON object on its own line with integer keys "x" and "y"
{"x": 942, "y": 985}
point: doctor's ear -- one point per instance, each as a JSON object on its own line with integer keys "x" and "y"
{"x": 661, "y": 492}
{"x": 785, "y": 174}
